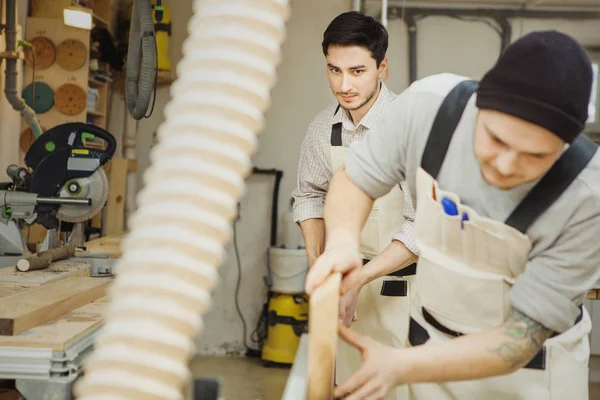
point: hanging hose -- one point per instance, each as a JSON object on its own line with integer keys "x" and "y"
{"x": 171, "y": 256}
{"x": 141, "y": 35}
{"x": 11, "y": 73}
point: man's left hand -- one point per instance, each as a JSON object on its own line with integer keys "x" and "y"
{"x": 380, "y": 372}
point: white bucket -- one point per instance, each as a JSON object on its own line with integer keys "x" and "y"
{"x": 288, "y": 270}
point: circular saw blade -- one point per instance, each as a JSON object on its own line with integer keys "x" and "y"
{"x": 94, "y": 187}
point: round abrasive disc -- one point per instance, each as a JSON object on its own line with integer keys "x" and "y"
{"x": 70, "y": 99}
{"x": 45, "y": 52}
{"x": 27, "y": 138}
{"x": 71, "y": 54}
{"x": 44, "y": 97}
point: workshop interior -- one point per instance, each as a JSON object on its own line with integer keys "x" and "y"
{"x": 161, "y": 139}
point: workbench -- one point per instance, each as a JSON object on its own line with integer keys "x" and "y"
{"x": 49, "y": 320}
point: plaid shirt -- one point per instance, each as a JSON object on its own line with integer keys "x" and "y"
{"x": 315, "y": 171}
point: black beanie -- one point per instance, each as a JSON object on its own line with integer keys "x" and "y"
{"x": 545, "y": 78}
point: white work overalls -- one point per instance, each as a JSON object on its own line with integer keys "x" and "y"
{"x": 383, "y": 305}
{"x": 467, "y": 265}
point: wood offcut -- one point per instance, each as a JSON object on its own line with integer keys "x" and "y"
{"x": 43, "y": 259}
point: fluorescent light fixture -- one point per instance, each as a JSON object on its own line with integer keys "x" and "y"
{"x": 78, "y": 17}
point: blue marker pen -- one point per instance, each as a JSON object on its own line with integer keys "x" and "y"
{"x": 449, "y": 206}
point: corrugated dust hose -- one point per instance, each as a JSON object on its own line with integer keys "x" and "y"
{"x": 176, "y": 243}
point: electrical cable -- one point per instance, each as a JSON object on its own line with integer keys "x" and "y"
{"x": 237, "y": 290}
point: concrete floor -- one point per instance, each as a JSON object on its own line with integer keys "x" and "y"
{"x": 248, "y": 379}
{"x": 243, "y": 378}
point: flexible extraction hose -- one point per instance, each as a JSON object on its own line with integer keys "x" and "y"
{"x": 141, "y": 35}
{"x": 11, "y": 73}
{"x": 171, "y": 256}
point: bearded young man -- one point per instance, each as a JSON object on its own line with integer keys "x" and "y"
{"x": 355, "y": 48}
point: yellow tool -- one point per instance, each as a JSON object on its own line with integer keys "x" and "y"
{"x": 162, "y": 26}
{"x": 287, "y": 319}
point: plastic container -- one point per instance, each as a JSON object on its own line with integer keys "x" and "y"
{"x": 288, "y": 270}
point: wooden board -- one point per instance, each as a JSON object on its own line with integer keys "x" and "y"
{"x": 35, "y": 307}
{"x": 105, "y": 245}
{"x": 57, "y": 271}
{"x": 115, "y": 217}
{"x": 63, "y": 331}
{"x": 8, "y": 291}
{"x": 322, "y": 338}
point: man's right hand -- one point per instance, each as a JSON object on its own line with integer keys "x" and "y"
{"x": 342, "y": 258}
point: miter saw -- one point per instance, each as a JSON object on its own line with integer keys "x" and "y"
{"x": 63, "y": 183}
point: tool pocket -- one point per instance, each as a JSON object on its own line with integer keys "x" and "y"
{"x": 567, "y": 358}
{"x": 462, "y": 298}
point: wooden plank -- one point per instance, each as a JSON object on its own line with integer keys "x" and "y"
{"x": 105, "y": 245}
{"x": 57, "y": 271}
{"x": 63, "y": 331}
{"x": 322, "y": 338}
{"x": 8, "y": 291}
{"x": 115, "y": 218}
{"x": 24, "y": 311}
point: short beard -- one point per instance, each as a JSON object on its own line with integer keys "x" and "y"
{"x": 367, "y": 99}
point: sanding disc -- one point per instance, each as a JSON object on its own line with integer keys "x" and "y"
{"x": 45, "y": 52}
{"x": 70, "y": 99}
{"x": 71, "y": 54}
{"x": 26, "y": 138}
{"x": 44, "y": 97}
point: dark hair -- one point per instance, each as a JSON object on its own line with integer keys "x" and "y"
{"x": 354, "y": 28}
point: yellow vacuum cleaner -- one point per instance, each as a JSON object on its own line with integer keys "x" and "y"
{"x": 287, "y": 317}
{"x": 161, "y": 16}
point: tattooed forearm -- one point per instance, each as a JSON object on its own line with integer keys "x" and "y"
{"x": 524, "y": 338}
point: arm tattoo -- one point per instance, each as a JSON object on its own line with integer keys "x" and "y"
{"x": 524, "y": 338}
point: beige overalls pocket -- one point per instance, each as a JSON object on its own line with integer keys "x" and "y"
{"x": 567, "y": 358}
{"x": 481, "y": 301}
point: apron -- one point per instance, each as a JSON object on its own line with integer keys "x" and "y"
{"x": 468, "y": 263}
{"x": 383, "y": 305}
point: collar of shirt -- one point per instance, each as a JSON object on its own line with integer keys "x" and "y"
{"x": 383, "y": 99}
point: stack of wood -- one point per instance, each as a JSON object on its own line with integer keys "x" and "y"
{"x": 52, "y": 307}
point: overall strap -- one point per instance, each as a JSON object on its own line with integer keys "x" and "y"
{"x": 444, "y": 125}
{"x": 336, "y": 131}
{"x": 553, "y": 184}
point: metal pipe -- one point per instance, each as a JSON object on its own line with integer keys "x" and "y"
{"x": 506, "y": 36}
{"x": 64, "y": 201}
{"x": 384, "y": 12}
{"x": 11, "y": 74}
{"x": 356, "y": 5}
{"x": 411, "y": 25}
{"x": 493, "y": 13}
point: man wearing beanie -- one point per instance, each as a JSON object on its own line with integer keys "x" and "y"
{"x": 507, "y": 194}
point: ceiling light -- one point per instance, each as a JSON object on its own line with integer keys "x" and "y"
{"x": 78, "y": 16}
